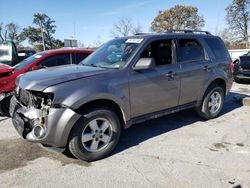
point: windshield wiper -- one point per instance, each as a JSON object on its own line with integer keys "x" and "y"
{"x": 90, "y": 65}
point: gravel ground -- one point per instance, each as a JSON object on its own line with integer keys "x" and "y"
{"x": 178, "y": 150}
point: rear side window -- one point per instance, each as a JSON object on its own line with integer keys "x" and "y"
{"x": 217, "y": 47}
{"x": 190, "y": 50}
{"x": 57, "y": 60}
{"x": 80, "y": 57}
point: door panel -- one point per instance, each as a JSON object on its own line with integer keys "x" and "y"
{"x": 195, "y": 68}
{"x": 193, "y": 77}
{"x": 154, "y": 90}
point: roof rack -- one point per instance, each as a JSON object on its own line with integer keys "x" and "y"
{"x": 188, "y": 31}
{"x": 144, "y": 33}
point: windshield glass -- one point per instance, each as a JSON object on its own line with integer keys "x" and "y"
{"x": 28, "y": 61}
{"x": 114, "y": 54}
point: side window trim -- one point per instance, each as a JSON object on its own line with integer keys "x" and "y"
{"x": 56, "y": 59}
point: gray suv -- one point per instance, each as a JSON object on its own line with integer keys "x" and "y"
{"x": 83, "y": 108}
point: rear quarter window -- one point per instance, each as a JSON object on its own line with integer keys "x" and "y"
{"x": 217, "y": 47}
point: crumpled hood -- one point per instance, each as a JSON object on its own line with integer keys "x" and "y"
{"x": 42, "y": 79}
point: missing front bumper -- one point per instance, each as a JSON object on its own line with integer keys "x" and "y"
{"x": 55, "y": 129}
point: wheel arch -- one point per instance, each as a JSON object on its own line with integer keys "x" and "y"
{"x": 104, "y": 103}
{"x": 217, "y": 81}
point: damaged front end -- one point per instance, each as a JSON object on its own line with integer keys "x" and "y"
{"x": 36, "y": 118}
{"x": 35, "y": 109}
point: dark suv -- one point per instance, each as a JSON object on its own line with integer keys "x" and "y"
{"x": 242, "y": 69}
{"x": 128, "y": 80}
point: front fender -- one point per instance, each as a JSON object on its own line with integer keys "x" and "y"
{"x": 79, "y": 92}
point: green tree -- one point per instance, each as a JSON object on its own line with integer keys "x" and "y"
{"x": 57, "y": 43}
{"x": 45, "y": 27}
{"x": 178, "y": 17}
{"x": 238, "y": 19}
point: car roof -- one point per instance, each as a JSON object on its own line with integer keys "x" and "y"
{"x": 67, "y": 50}
{"x": 185, "y": 33}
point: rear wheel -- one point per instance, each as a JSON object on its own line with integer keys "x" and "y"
{"x": 96, "y": 136}
{"x": 5, "y": 106}
{"x": 212, "y": 103}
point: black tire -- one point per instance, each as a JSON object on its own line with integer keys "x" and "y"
{"x": 5, "y": 107}
{"x": 203, "y": 110}
{"x": 245, "y": 81}
{"x": 75, "y": 144}
{"x": 237, "y": 80}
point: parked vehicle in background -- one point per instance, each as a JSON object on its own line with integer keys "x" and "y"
{"x": 40, "y": 60}
{"x": 126, "y": 81}
{"x": 242, "y": 69}
{"x": 8, "y": 53}
{"x": 23, "y": 54}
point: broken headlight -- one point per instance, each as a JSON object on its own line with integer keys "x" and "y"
{"x": 41, "y": 99}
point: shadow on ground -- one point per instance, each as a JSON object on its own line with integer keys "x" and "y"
{"x": 141, "y": 132}
{"x": 16, "y": 153}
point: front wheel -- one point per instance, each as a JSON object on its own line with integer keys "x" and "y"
{"x": 212, "y": 103}
{"x": 96, "y": 136}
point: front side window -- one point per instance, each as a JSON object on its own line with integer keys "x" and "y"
{"x": 160, "y": 50}
{"x": 57, "y": 60}
{"x": 114, "y": 54}
{"x": 190, "y": 50}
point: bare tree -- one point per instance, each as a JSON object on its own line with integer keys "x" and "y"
{"x": 11, "y": 31}
{"x": 238, "y": 19}
{"x": 14, "y": 32}
{"x": 3, "y": 32}
{"x": 125, "y": 27}
{"x": 96, "y": 44}
{"x": 137, "y": 29}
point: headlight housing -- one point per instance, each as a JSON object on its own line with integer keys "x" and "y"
{"x": 2, "y": 95}
{"x": 40, "y": 99}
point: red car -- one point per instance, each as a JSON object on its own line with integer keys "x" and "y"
{"x": 39, "y": 60}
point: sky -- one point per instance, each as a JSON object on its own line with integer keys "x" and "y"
{"x": 91, "y": 21}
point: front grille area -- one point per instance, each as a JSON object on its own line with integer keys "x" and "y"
{"x": 5, "y": 74}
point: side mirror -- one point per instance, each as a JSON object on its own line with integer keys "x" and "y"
{"x": 144, "y": 63}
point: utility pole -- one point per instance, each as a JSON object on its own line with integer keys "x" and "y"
{"x": 43, "y": 38}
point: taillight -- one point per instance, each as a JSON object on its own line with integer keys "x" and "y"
{"x": 231, "y": 67}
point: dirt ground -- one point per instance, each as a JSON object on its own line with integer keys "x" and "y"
{"x": 178, "y": 150}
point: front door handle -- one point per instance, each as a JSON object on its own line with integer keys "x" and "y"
{"x": 206, "y": 68}
{"x": 171, "y": 75}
